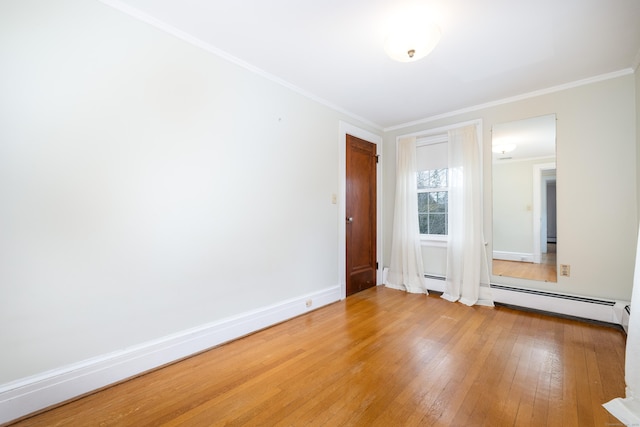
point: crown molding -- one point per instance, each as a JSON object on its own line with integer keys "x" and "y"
{"x": 163, "y": 26}
{"x": 553, "y": 89}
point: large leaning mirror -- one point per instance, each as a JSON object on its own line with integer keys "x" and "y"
{"x": 524, "y": 199}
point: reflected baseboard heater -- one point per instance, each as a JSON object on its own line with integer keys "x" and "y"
{"x": 601, "y": 310}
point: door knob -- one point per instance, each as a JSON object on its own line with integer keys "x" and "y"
{"x": 350, "y": 219}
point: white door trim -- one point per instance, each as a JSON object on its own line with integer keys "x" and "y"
{"x": 538, "y": 203}
{"x": 344, "y": 129}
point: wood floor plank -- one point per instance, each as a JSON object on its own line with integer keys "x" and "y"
{"x": 505, "y": 363}
{"x": 379, "y": 358}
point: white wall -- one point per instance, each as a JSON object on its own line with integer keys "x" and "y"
{"x": 596, "y": 181}
{"x": 637, "y": 81}
{"x": 147, "y": 186}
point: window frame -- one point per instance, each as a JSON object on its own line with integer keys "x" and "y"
{"x": 421, "y": 141}
{"x": 436, "y": 237}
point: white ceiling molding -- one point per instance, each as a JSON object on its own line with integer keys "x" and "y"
{"x": 182, "y": 35}
{"x": 558, "y": 88}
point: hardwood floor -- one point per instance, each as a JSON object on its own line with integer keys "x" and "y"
{"x": 525, "y": 270}
{"x": 545, "y": 271}
{"x": 380, "y": 358}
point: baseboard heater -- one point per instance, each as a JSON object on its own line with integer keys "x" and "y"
{"x": 625, "y": 318}
{"x": 609, "y": 303}
{"x": 601, "y": 310}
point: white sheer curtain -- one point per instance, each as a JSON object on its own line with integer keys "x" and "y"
{"x": 467, "y": 278}
{"x": 628, "y": 410}
{"x": 405, "y": 270}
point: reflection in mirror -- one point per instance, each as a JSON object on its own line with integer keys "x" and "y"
{"x": 524, "y": 199}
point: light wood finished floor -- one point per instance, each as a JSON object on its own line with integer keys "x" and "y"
{"x": 380, "y": 358}
{"x": 525, "y": 270}
{"x": 545, "y": 271}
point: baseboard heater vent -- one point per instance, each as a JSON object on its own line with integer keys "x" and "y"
{"x": 434, "y": 283}
{"x": 602, "y": 310}
{"x": 552, "y": 295}
{"x": 625, "y": 318}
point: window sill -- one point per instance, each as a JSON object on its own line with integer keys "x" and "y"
{"x": 434, "y": 241}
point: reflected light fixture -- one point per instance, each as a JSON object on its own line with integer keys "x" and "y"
{"x": 412, "y": 42}
{"x": 503, "y": 148}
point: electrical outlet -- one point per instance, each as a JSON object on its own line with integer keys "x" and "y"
{"x": 309, "y": 303}
{"x": 565, "y": 270}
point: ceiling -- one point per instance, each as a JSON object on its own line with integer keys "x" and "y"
{"x": 531, "y": 138}
{"x": 333, "y": 50}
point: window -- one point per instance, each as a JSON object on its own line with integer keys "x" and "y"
{"x": 433, "y": 186}
{"x": 433, "y": 201}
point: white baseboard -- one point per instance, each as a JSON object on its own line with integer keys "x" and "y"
{"x": 513, "y": 256}
{"x": 28, "y": 395}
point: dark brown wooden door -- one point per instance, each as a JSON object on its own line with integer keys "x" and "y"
{"x": 361, "y": 214}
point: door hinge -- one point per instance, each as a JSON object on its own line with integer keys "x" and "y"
{"x": 377, "y": 158}
{"x": 377, "y": 266}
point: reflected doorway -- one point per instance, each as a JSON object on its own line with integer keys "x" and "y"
{"x": 542, "y": 266}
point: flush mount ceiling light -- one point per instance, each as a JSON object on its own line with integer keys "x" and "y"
{"x": 412, "y": 42}
{"x": 503, "y": 148}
